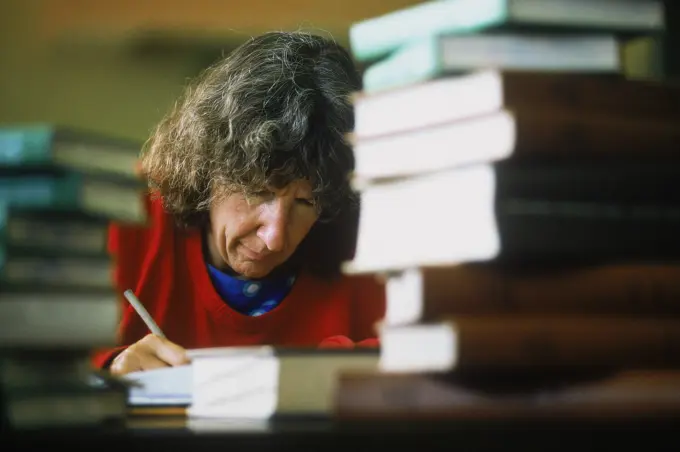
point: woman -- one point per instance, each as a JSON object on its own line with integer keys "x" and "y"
{"x": 251, "y": 211}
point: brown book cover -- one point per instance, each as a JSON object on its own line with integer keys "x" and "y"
{"x": 626, "y": 395}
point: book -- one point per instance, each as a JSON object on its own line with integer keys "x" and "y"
{"x": 55, "y": 268}
{"x": 442, "y": 55}
{"x": 118, "y": 199}
{"x": 516, "y": 133}
{"x": 67, "y": 148}
{"x": 45, "y": 387}
{"x": 487, "y": 91}
{"x": 500, "y": 342}
{"x": 629, "y": 395}
{"x": 76, "y": 405}
{"x": 41, "y": 319}
{"x": 273, "y": 382}
{"x": 255, "y": 382}
{"x": 375, "y": 37}
{"x": 53, "y": 231}
{"x": 423, "y": 294}
{"x": 572, "y": 211}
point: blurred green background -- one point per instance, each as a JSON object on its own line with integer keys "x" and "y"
{"x": 116, "y": 66}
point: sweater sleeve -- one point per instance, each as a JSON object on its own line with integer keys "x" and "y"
{"x": 126, "y": 246}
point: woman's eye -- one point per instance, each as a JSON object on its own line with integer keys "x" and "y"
{"x": 306, "y": 201}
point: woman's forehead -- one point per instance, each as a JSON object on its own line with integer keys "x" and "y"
{"x": 296, "y": 186}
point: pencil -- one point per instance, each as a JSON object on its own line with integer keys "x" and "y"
{"x": 143, "y": 313}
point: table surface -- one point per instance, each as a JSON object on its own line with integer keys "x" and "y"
{"x": 180, "y": 433}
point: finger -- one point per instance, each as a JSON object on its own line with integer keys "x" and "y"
{"x": 172, "y": 354}
{"x": 125, "y": 363}
{"x": 168, "y": 351}
{"x": 150, "y": 362}
{"x": 136, "y": 358}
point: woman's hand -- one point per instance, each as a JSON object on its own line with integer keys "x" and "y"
{"x": 150, "y": 352}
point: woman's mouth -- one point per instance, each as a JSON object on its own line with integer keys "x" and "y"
{"x": 252, "y": 255}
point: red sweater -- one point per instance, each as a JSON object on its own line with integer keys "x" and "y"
{"x": 166, "y": 269}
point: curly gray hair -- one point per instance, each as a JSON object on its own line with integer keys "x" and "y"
{"x": 274, "y": 110}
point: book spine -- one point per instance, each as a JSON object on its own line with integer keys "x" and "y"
{"x": 53, "y": 236}
{"x": 25, "y": 146}
{"x": 376, "y": 37}
{"x": 44, "y": 191}
{"x": 415, "y": 62}
{"x": 88, "y": 272}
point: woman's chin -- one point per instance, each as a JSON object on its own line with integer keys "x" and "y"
{"x": 252, "y": 270}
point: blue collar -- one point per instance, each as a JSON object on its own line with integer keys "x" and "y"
{"x": 251, "y": 297}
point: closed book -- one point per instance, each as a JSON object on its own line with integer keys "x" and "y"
{"x": 113, "y": 198}
{"x": 375, "y": 37}
{"x": 516, "y": 133}
{"x": 572, "y": 211}
{"x": 487, "y": 91}
{"x": 503, "y": 343}
{"x": 41, "y": 319}
{"x": 441, "y": 55}
{"x": 67, "y": 147}
{"x": 424, "y": 294}
{"x": 52, "y": 231}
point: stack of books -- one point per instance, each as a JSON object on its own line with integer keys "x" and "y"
{"x": 518, "y": 196}
{"x": 59, "y": 189}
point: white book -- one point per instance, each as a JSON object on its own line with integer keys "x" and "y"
{"x": 397, "y": 217}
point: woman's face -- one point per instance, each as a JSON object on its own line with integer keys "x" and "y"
{"x": 254, "y": 235}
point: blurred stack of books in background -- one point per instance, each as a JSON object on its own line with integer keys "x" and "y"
{"x": 59, "y": 188}
{"x": 518, "y": 195}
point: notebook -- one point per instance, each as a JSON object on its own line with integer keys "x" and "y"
{"x": 167, "y": 386}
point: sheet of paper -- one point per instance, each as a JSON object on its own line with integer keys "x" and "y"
{"x": 165, "y": 386}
